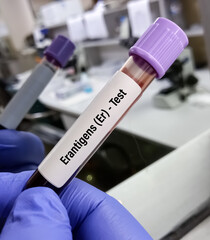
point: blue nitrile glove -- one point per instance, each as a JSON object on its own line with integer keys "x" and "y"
{"x": 19, "y": 151}
{"x": 81, "y": 213}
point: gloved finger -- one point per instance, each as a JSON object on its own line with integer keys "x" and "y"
{"x": 11, "y": 186}
{"x": 38, "y": 213}
{"x": 95, "y": 215}
{"x": 19, "y": 151}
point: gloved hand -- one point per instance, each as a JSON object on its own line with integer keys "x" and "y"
{"x": 19, "y": 151}
{"x": 81, "y": 213}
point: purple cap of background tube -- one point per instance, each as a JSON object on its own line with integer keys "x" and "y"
{"x": 60, "y": 50}
{"x": 160, "y": 45}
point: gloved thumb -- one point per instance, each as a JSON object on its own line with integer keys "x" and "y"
{"x": 38, "y": 213}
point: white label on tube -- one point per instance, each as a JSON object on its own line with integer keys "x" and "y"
{"x": 90, "y": 129}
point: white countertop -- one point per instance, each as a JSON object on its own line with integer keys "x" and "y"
{"x": 172, "y": 127}
{"x": 166, "y": 193}
{"x": 202, "y": 231}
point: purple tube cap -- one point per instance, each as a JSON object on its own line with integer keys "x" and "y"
{"x": 160, "y": 45}
{"x": 60, "y": 50}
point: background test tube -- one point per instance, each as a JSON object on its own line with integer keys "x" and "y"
{"x": 150, "y": 57}
{"x": 56, "y": 56}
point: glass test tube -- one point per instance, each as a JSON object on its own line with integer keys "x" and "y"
{"x": 149, "y": 58}
{"x": 56, "y": 56}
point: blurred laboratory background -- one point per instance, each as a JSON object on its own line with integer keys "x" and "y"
{"x": 157, "y": 160}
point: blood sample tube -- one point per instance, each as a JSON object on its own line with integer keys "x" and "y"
{"x": 56, "y": 56}
{"x": 150, "y": 57}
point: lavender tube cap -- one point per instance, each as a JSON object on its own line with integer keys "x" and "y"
{"x": 60, "y": 50}
{"x": 160, "y": 45}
